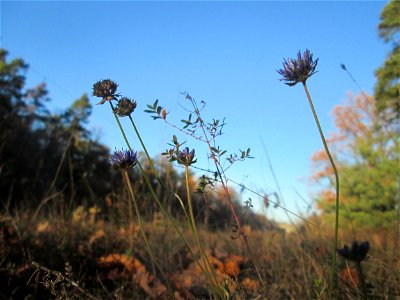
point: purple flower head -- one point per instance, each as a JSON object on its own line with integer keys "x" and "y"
{"x": 185, "y": 157}
{"x": 125, "y": 107}
{"x": 298, "y": 70}
{"x": 105, "y": 89}
{"x": 123, "y": 159}
{"x": 356, "y": 253}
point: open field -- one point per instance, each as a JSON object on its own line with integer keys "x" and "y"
{"x": 86, "y": 256}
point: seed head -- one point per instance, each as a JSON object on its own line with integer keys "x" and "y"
{"x": 125, "y": 107}
{"x": 105, "y": 89}
{"x": 123, "y": 159}
{"x": 298, "y": 70}
{"x": 356, "y": 253}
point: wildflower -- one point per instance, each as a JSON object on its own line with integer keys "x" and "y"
{"x": 356, "y": 253}
{"x": 185, "y": 157}
{"x": 105, "y": 89}
{"x": 298, "y": 70}
{"x": 123, "y": 159}
{"x": 125, "y": 107}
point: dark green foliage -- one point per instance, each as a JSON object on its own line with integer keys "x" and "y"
{"x": 387, "y": 88}
{"x": 42, "y": 154}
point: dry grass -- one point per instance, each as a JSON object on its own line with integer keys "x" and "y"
{"x": 85, "y": 256}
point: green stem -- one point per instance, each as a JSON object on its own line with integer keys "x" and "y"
{"x": 130, "y": 214}
{"x": 139, "y": 218}
{"x": 154, "y": 194}
{"x": 144, "y": 147}
{"x": 154, "y": 169}
{"x": 191, "y": 221}
{"x": 333, "y": 267}
{"x": 120, "y": 126}
{"x": 208, "y": 268}
{"x": 169, "y": 218}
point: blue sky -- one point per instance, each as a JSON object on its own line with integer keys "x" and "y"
{"x": 225, "y": 53}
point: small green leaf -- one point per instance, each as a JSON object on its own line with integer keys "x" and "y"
{"x": 215, "y": 150}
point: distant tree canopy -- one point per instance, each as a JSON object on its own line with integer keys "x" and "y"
{"x": 43, "y": 153}
{"x": 387, "y": 88}
{"x": 367, "y": 155}
{"x": 52, "y": 159}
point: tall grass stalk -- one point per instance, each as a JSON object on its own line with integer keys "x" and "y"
{"x": 335, "y": 243}
{"x": 140, "y": 222}
{"x": 217, "y": 290}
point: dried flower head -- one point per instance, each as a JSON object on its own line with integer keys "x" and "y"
{"x": 105, "y": 89}
{"x": 356, "y": 253}
{"x": 185, "y": 157}
{"x": 123, "y": 159}
{"x": 125, "y": 107}
{"x": 298, "y": 70}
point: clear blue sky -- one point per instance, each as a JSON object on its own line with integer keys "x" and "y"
{"x": 225, "y": 53}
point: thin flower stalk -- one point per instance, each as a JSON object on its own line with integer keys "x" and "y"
{"x": 335, "y": 243}
{"x": 150, "y": 160}
{"x": 299, "y": 70}
{"x": 154, "y": 194}
{"x": 190, "y": 218}
{"x": 120, "y": 126}
{"x": 106, "y": 89}
{"x": 125, "y": 160}
{"x": 140, "y": 222}
{"x": 209, "y": 271}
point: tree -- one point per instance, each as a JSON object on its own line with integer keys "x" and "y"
{"x": 367, "y": 155}
{"x": 12, "y": 80}
{"x": 44, "y": 154}
{"x": 387, "y": 88}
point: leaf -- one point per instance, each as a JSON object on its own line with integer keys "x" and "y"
{"x": 215, "y": 150}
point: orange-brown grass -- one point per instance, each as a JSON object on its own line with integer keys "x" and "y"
{"x": 94, "y": 252}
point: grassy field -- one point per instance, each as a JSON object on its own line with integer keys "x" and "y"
{"x": 93, "y": 254}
